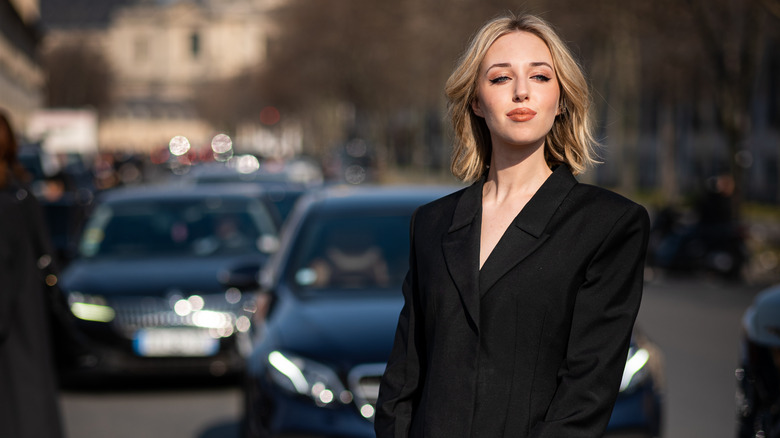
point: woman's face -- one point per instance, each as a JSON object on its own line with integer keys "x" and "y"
{"x": 517, "y": 91}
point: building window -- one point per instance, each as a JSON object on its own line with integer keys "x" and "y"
{"x": 195, "y": 45}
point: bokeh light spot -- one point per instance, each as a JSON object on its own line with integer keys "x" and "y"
{"x": 221, "y": 143}
{"x": 367, "y": 411}
{"x": 197, "y": 302}
{"x": 246, "y": 163}
{"x": 182, "y": 307}
{"x": 179, "y": 145}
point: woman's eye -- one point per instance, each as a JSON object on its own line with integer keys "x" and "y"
{"x": 541, "y": 78}
{"x": 499, "y": 80}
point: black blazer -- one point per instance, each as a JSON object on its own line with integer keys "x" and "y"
{"x": 533, "y": 344}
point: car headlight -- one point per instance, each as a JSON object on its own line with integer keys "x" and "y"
{"x": 636, "y": 370}
{"x": 90, "y": 307}
{"x": 307, "y": 377}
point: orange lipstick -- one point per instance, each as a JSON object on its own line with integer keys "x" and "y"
{"x": 521, "y": 114}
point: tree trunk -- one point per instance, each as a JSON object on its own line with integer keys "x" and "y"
{"x": 667, "y": 156}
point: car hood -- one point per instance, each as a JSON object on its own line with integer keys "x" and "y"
{"x": 344, "y": 331}
{"x": 150, "y": 276}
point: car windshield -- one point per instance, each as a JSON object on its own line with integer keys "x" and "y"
{"x": 351, "y": 253}
{"x": 178, "y": 227}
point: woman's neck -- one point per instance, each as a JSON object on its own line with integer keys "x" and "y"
{"x": 514, "y": 174}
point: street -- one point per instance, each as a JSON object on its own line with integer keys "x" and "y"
{"x": 695, "y": 322}
{"x": 697, "y": 325}
{"x": 206, "y": 411}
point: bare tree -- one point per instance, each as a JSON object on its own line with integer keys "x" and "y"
{"x": 377, "y": 69}
{"x": 77, "y": 76}
{"x": 381, "y": 65}
{"x": 732, "y": 36}
{"x": 227, "y": 103}
{"x": 702, "y": 62}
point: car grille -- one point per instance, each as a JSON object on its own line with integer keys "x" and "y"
{"x": 135, "y": 314}
{"x": 364, "y": 383}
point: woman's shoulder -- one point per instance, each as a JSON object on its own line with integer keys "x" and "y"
{"x": 605, "y": 201}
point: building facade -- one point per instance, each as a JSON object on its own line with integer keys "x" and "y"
{"x": 161, "y": 53}
{"x": 21, "y": 76}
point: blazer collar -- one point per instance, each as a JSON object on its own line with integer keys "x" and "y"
{"x": 469, "y": 205}
{"x": 535, "y": 216}
{"x": 462, "y": 242}
{"x": 461, "y": 249}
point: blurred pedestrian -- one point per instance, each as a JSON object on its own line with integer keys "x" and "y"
{"x": 29, "y": 406}
{"x": 523, "y": 288}
{"x": 715, "y": 206}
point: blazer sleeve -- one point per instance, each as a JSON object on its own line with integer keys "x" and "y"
{"x": 401, "y": 380}
{"x": 605, "y": 310}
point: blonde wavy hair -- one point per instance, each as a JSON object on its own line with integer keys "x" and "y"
{"x": 570, "y": 141}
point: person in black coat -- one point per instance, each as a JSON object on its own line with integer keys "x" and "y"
{"x": 523, "y": 288}
{"x": 29, "y": 406}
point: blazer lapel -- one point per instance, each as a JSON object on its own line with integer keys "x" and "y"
{"x": 527, "y": 232}
{"x": 461, "y": 249}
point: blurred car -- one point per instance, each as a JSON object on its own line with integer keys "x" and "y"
{"x": 331, "y": 304}
{"x": 161, "y": 282}
{"x": 250, "y": 168}
{"x": 638, "y": 411}
{"x": 354, "y": 162}
{"x": 65, "y": 216}
{"x": 283, "y": 182}
{"x": 758, "y": 375}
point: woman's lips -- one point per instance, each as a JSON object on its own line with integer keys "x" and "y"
{"x": 521, "y": 114}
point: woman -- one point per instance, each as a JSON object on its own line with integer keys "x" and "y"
{"x": 523, "y": 288}
{"x": 28, "y": 387}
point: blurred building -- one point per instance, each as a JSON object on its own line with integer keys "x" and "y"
{"x": 160, "y": 54}
{"x": 21, "y": 75}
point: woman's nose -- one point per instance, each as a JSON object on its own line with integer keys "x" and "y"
{"x": 520, "y": 91}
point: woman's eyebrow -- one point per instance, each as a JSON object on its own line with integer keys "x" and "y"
{"x": 540, "y": 64}
{"x": 500, "y": 64}
{"x": 508, "y": 64}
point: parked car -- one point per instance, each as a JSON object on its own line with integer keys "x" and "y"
{"x": 162, "y": 281}
{"x": 638, "y": 411}
{"x": 250, "y": 168}
{"x": 758, "y": 375}
{"x": 283, "y": 183}
{"x": 331, "y": 300}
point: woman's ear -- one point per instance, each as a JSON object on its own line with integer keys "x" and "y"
{"x": 475, "y": 107}
{"x": 561, "y": 108}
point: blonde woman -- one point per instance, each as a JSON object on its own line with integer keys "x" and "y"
{"x": 523, "y": 288}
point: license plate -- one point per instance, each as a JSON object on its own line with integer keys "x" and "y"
{"x": 175, "y": 342}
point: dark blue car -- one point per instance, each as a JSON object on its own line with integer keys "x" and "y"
{"x": 163, "y": 281}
